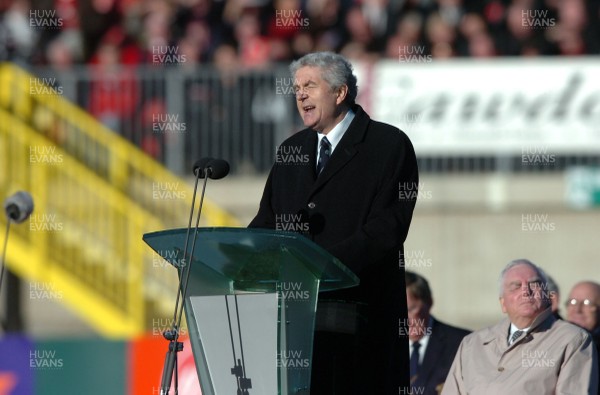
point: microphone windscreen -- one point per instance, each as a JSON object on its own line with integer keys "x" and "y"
{"x": 200, "y": 165}
{"x": 19, "y": 206}
{"x": 219, "y": 168}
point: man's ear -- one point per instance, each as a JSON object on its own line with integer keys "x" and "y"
{"x": 502, "y": 305}
{"x": 342, "y": 92}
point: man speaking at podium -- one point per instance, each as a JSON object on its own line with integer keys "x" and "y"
{"x": 351, "y": 184}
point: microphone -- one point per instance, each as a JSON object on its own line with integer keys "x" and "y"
{"x": 217, "y": 169}
{"x": 200, "y": 165}
{"x": 19, "y": 206}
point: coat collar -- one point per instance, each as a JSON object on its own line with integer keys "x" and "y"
{"x": 499, "y": 332}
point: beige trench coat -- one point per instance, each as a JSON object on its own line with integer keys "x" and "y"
{"x": 554, "y": 357}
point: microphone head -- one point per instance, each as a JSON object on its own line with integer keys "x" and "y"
{"x": 200, "y": 165}
{"x": 19, "y": 206}
{"x": 218, "y": 168}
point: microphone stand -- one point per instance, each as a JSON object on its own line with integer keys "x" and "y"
{"x": 172, "y": 335}
{"x": 8, "y": 221}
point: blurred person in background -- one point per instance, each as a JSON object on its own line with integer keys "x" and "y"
{"x": 407, "y": 35}
{"x": 583, "y": 309}
{"x": 254, "y": 48}
{"x": 358, "y": 28}
{"x": 17, "y": 38}
{"x": 530, "y": 351}
{"x": 114, "y": 90}
{"x": 440, "y": 36}
{"x": 347, "y": 193}
{"x": 554, "y": 293}
{"x": 432, "y": 343}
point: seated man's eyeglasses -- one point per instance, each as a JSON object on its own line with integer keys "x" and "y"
{"x": 586, "y": 303}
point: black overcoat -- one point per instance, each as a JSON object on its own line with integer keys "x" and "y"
{"x": 359, "y": 209}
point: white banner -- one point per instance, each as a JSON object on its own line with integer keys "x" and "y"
{"x": 517, "y": 106}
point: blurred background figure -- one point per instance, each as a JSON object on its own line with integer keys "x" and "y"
{"x": 433, "y": 344}
{"x": 554, "y": 293}
{"x": 583, "y": 309}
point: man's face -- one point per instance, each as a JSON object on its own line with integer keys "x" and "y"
{"x": 318, "y": 104}
{"x": 418, "y": 316}
{"x": 522, "y": 295}
{"x": 579, "y": 313}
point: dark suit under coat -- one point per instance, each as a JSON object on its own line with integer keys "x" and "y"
{"x": 439, "y": 355}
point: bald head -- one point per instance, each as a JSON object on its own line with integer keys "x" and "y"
{"x": 583, "y": 305}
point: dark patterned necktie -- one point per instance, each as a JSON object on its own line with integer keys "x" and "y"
{"x": 324, "y": 154}
{"x": 414, "y": 360}
{"x": 514, "y": 337}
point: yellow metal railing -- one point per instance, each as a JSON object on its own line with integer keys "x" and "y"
{"x": 95, "y": 195}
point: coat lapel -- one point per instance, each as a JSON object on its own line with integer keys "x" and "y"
{"x": 309, "y": 173}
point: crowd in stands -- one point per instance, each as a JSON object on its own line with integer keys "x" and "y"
{"x": 255, "y": 33}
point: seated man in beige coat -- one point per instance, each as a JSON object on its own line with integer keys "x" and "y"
{"x": 529, "y": 352}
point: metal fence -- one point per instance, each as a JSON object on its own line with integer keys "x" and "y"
{"x": 178, "y": 114}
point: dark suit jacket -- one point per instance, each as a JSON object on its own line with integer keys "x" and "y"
{"x": 596, "y": 337}
{"x": 359, "y": 209}
{"x": 439, "y": 355}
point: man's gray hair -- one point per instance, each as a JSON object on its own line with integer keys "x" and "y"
{"x": 541, "y": 274}
{"x": 337, "y": 71}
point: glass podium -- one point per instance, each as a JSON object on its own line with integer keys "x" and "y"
{"x": 250, "y": 305}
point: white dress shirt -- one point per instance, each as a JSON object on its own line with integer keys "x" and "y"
{"x": 335, "y": 135}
